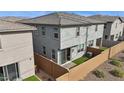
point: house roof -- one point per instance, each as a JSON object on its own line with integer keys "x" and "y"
{"x": 104, "y": 18}
{"x": 60, "y": 18}
{"x": 6, "y": 26}
{"x": 122, "y": 19}
{"x": 12, "y": 18}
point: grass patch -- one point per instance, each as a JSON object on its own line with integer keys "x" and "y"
{"x": 98, "y": 74}
{"x": 117, "y": 73}
{"x": 103, "y": 48}
{"x": 116, "y": 63}
{"x": 80, "y": 60}
{"x": 32, "y": 78}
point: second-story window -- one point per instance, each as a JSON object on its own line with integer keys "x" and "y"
{"x": 96, "y": 28}
{"x": 77, "y": 31}
{"x": 104, "y": 26}
{"x": 55, "y": 28}
{"x": 56, "y": 35}
{"x": 43, "y": 31}
{"x": 44, "y": 50}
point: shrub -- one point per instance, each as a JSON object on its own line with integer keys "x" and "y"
{"x": 116, "y": 63}
{"x": 117, "y": 73}
{"x": 98, "y": 74}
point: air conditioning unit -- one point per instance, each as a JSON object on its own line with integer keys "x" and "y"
{"x": 89, "y": 54}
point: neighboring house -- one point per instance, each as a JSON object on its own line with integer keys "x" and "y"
{"x": 12, "y": 18}
{"x": 64, "y": 37}
{"x": 122, "y": 18}
{"x": 16, "y": 51}
{"x": 113, "y": 29}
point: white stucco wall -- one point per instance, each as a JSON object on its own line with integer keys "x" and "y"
{"x": 69, "y": 38}
{"x": 111, "y": 29}
{"x": 17, "y": 48}
{"x": 93, "y": 35}
{"x": 117, "y": 30}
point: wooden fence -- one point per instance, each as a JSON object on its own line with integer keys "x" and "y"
{"x": 80, "y": 71}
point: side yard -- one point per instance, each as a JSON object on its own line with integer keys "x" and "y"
{"x": 111, "y": 70}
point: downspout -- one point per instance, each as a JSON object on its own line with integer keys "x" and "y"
{"x": 86, "y": 42}
{"x": 101, "y": 43}
{"x": 59, "y": 50}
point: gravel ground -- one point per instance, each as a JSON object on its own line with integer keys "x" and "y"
{"x": 106, "y": 68}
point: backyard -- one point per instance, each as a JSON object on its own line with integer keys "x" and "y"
{"x": 81, "y": 59}
{"x": 103, "y": 48}
{"x": 32, "y": 78}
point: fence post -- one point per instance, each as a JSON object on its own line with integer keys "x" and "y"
{"x": 109, "y": 53}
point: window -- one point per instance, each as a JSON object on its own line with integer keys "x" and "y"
{"x": 112, "y": 37}
{"x": 96, "y": 28}
{"x": 80, "y": 47}
{"x": 56, "y": 29}
{"x": 1, "y": 74}
{"x": 56, "y": 35}
{"x": 106, "y": 36}
{"x": 91, "y": 43}
{"x": 120, "y": 34}
{"x": 9, "y": 72}
{"x": 116, "y": 36}
{"x": 105, "y": 26}
{"x": 43, "y": 31}
{"x": 53, "y": 53}
{"x": 77, "y": 31}
{"x": 44, "y": 50}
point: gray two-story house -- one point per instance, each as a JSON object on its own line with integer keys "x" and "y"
{"x": 113, "y": 29}
{"x": 64, "y": 37}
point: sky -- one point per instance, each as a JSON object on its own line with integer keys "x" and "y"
{"x": 40, "y": 13}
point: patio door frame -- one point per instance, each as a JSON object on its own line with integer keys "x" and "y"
{"x": 6, "y": 72}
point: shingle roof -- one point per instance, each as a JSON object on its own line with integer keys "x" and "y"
{"x": 6, "y": 26}
{"x": 122, "y": 19}
{"x": 61, "y": 18}
{"x": 12, "y": 18}
{"x": 104, "y": 18}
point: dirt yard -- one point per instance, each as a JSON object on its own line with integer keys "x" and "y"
{"x": 106, "y": 68}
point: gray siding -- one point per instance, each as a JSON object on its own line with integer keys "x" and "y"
{"x": 47, "y": 40}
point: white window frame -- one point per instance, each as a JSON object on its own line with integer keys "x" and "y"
{"x": 77, "y": 31}
{"x": 44, "y": 51}
{"x": 80, "y": 47}
{"x": 43, "y": 30}
{"x": 54, "y": 35}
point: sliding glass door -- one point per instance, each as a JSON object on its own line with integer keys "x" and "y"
{"x": 9, "y": 72}
{"x": 1, "y": 74}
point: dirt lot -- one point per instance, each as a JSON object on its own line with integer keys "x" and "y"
{"x": 106, "y": 68}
